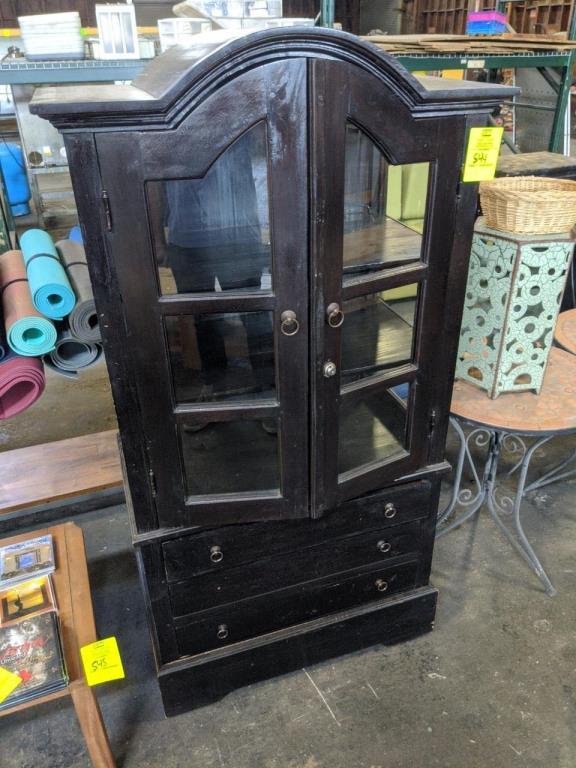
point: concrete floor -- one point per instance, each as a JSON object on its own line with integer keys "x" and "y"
{"x": 493, "y": 686}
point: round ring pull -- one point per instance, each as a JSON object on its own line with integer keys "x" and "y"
{"x": 389, "y": 510}
{"x": 289, "y": 324}
{"x": 335, "y": 315}
{"x": 384, "y": 546}
{"x": 222, "y": 632}
{"x": 216, "y": 555}
{"x": 381, "y": 585}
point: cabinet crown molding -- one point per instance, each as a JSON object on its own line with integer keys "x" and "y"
{"x": 176, "y": 82}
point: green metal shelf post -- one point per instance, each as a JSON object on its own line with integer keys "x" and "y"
{"x": 326, "y": 13}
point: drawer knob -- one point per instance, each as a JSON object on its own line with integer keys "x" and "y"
{"x": 216, "y": 555}
{"x": 381, "y": 585}
{"x": 384, "y": 546}
{"x": 390, "y": 510}
{"x": 222, "y": 632}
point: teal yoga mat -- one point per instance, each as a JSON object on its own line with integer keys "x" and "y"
{"x": 51, "y": 291}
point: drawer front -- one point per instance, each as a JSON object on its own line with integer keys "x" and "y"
{"x": 229, "y": 546}
{"x": 281, "y": 571}
{"x": 250, "y": 618}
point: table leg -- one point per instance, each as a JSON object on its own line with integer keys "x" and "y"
{"x": 92, "y": 725}
{"x": 554, "y": 474}
{"x": 521, "y": 545}
{"x": 472, "y": 502}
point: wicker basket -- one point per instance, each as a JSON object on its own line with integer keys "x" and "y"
{"x": 529, "y": 204}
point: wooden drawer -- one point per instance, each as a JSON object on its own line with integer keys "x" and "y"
{"x": 267, "y": 613}
{"x": 281, "y": 571}
{"x": 229, "y": 546}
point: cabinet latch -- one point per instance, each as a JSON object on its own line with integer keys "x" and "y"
{"x": 152, "y": 478}
{"x": 107, "y": 209}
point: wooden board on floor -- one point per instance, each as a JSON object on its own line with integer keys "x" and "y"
{"x": 41, "y": 474}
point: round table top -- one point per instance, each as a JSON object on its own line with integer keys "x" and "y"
{"x": 553, "y": 410}
{"x": 565, "y": 333}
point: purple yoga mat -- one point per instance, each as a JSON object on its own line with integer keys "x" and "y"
{"x": 21, "y": 384}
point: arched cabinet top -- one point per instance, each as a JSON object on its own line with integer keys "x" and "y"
{"x": 172, "y": 84}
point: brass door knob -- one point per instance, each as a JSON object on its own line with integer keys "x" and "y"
{"x": 329, "y": 369}
{"x": 381, "y": 585}
{"x": 216, "y": 555}
{"x": 289, "y": 324}
{"x": 390, "y": 510}
{"x": 334, "y": 315}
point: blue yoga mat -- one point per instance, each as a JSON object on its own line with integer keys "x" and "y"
{"x": 51, "y": 291}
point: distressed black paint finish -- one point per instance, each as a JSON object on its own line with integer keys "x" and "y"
{"x": 251, "y": 584}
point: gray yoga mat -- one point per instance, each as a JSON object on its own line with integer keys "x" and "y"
{"x": 83, "y": 320}
{"x": 72, "y": 355}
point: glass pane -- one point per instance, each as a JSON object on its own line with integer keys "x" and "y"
{"x": 213, "y": 233}
{"x": 384, "y": 207}
{"x": 372, "y": 428}
{"x": 216, "y": 357}
{"x": 230, "y": 456}
{"x": 378, "y": 332}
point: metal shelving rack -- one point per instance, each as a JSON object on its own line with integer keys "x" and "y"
{"x": 23, "y": 72}
{"x": 555, "y": 68}
{"x": 22, "y": 76}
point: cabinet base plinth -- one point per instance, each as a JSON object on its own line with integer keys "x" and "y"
{"x": 204, "y": 679}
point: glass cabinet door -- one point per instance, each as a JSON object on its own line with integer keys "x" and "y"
{"x": 212, "y": 264}
{"x": 384, "y": 212}
{"x": 371, "y": 258}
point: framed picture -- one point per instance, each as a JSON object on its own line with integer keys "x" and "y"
{"x": 29, "y": 597}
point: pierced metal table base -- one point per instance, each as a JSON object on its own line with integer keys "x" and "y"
{"x": 485, "y": 487}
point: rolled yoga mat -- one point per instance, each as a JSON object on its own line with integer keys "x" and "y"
{"x": 83, "y": 320}
{"x": 51, "y": 291}
{"x": 27, "y": 332}
{"x": 72, "y": 355}
{"x": 21, "y": 384}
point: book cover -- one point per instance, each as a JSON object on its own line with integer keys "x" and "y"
{"x": 32, "y": 650}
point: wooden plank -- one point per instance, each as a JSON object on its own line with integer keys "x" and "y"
{"x": 60, "y": 470}
{"x": 481, "y": 44}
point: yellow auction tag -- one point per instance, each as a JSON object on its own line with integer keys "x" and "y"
{"x": 482, "y": 153}
{"x": 102, "y": 662}
{"x": 8, "y": 683}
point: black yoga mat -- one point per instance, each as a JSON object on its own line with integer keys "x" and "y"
{"x": 72, "y": 355}
{"x": 83, "y": 320}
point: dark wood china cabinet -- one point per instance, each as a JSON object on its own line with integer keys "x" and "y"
{"x": 278, "y": 240}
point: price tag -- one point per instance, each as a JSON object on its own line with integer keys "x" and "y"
{"x": 8, "y": 683}
{"x": 102, "y": 662}
{"x": 482, "y": 153}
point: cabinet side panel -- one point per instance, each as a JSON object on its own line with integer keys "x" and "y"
{"x": 85, "y": 174}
